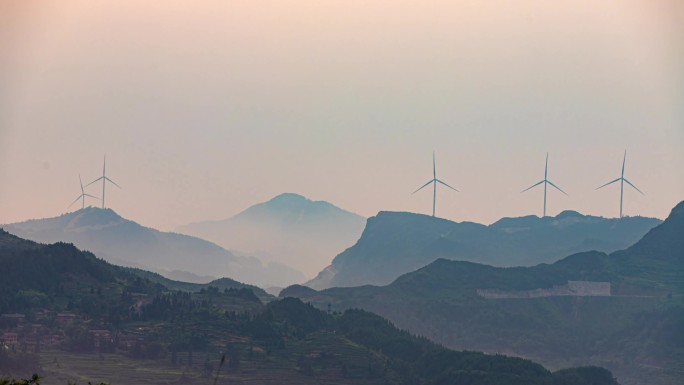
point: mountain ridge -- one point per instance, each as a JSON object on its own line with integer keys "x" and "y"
{"x": 635, "y": 331}
{"x": 128, "y": 243}
{"x": 284, "y": 341}
{"x": 394, "y": 243}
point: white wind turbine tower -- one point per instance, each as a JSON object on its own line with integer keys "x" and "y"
{"x": 83, "y": 195}
{"x": 622, "y": 181}
{"x": 434, "y": 180}
{"x": 546, "y": 181}
{"x": 104, "y": 180}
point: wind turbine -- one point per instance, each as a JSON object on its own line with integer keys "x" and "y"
{"x": 546, "y": 181}
{"x": 622, "y": 183}
{"x": 434, "y": 180}
{"x": 83, "y": 195}
{"x": 104, "y": 180}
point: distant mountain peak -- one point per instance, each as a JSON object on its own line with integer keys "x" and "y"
{"x": 101, "y": 213}
{"x": 289, "y": 228}
{"x": 290, "y": 202}
{"x": 91, "y": 217}
{"x": 568, "y": 214}
{"x": 283, "y": 206}
{"x": 289, "y": 197}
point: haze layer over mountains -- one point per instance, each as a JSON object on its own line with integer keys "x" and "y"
{"x": 622, "y": 310}
{"x": 124, "y": 242}
{"x": 278, "y": 342}
{"x": 455, "y": 285}
{"x": 268, "y": 243}
{"x": 289, "y": 229}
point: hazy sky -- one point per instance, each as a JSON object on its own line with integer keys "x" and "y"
{"x": 207, "y": 107}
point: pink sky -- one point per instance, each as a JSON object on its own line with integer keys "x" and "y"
{"x": 205, "y": 109}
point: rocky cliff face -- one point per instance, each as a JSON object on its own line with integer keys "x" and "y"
{"x": 396, "y": 243}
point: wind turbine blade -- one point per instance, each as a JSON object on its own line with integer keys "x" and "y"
{"x": 624, "y": 158}
{"x": 434, "y": 166}
{"x": 446, "y": 185}
{"x": 613, "y": 181}
{"x": 423, "y": 186}
{"x": 635, "y": 187}
{"x": 557, "y": 188}
{"x": 96, "y": 180}
{"x": 109, "y": 180}
{"x": 92, "y": 196}
{"x": 75, "y": 200}
{"x": 534, "y": 185}
{"x": 546, "y": 166}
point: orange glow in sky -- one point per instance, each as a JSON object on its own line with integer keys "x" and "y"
{"x": 206, "y": 108}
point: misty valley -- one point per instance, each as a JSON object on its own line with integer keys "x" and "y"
{"x": 338, "y": 192}
{"x": 413, "y": 299}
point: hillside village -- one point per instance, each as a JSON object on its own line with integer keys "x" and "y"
{"x": 44, "y": 329}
